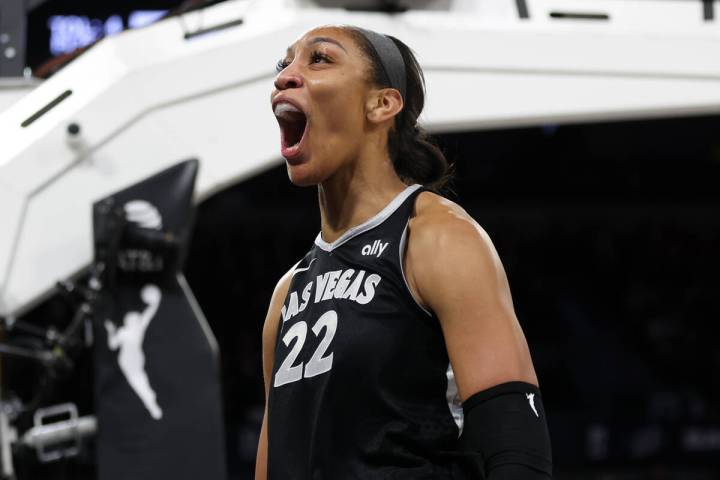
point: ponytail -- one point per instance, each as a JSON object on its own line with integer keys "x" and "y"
{"x": 417, "y": 159}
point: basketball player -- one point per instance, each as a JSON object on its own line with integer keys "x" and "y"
{"x": 391, "y": 350}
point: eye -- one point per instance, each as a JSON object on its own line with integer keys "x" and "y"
{"x": 317, "y": 57}
{"x": 281, "y": 64}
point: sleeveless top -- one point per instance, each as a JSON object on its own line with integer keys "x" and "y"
{"x": 362, "y": 387}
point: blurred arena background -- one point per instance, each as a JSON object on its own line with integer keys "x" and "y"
{"x": 607, "y": 225}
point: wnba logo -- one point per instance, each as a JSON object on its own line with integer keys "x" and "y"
{"x": 128, "y": 339}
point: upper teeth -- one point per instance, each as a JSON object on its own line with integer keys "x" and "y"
{"x": 282, "y": 109}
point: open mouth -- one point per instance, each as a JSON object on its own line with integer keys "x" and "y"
{"x": 293, "y": 124}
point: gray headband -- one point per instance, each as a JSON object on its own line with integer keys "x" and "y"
{"x": 390, "y": 58}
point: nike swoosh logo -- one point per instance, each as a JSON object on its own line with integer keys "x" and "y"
{"x": 298, "y": 270}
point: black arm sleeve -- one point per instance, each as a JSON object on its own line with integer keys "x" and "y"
{"x": 505, "y": 434}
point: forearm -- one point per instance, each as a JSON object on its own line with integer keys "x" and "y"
{"x": 505, "y": 433}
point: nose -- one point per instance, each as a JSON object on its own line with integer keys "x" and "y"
{"x": 288, "y": 78}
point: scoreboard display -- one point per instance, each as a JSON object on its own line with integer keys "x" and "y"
{"x": 59, "y": 27}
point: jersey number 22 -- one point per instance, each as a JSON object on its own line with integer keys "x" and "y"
{"x": 288, "y": 373}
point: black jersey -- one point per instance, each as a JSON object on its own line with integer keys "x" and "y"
{"x": 361, "y": 387}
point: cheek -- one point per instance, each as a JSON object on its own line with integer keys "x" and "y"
{"x": 339, "y": 132}
{"x": 340, "y": 106}
{"x": 337, "y": 126}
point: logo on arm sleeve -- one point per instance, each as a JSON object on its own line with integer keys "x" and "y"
{"x": 531, "y": 399}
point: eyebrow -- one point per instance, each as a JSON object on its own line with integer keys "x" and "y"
{"x": 315, "y": 40}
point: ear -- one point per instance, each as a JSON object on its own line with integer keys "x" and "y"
{"x": 383, "y": 104}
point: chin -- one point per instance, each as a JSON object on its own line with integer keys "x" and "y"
{"x": 302, "y": 175}
{"x": 311, "y": 168}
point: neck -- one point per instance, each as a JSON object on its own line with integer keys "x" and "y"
{"x": 356, "y": 193}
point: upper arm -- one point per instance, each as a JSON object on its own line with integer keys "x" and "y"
{"x": 269, "y": 335}
{"x": 457, "y": 273}
{"x": 271, "y": 325}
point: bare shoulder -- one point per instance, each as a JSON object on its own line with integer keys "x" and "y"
{"x": 448, "y": 251}
{"x": 271, "y": 324}
{"x": 272, "y": 318}
{"x": 439, "y": 222}
{"x": 278, "y": 298}
{"x": 283, "y": 285}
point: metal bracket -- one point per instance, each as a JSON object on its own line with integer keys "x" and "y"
{"x": 44, "y": 433}
{"x": 8, "y": 436}
{"x": 522, "y": 9}
{"x": 708, "y": 10}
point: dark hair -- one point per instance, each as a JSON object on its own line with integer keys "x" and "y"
{"x": 415, "y": 156}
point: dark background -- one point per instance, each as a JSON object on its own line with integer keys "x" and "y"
{"x": 608, "y": 233}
